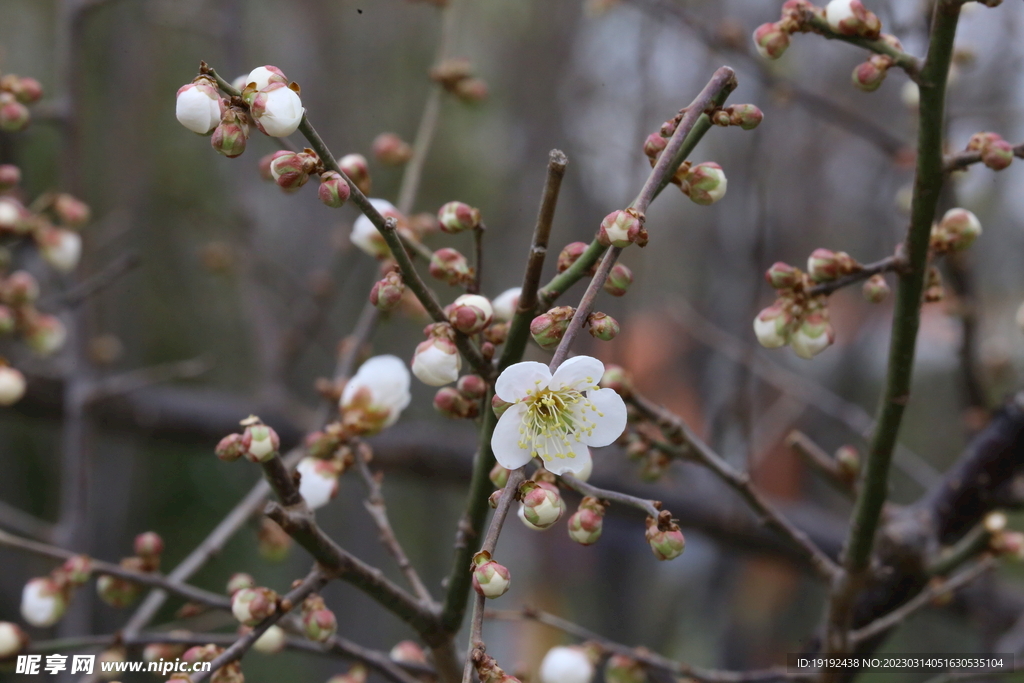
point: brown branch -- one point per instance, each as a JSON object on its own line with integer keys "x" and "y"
{"x": 961, "y": 160}
{"x": 886, "y": 265}
{"x": 815, "y": 455}
{"x": 24, "y": 523}
{"x": 651, "y": 507}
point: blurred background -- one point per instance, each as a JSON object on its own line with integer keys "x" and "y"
{"x": 255, "y": 289}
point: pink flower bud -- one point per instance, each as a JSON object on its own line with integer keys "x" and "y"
{"x": 868, "y": 76}
{"x": 202, "y": 653}
{"x": 586, "y": 523}
{"x": 318, "y": 622}
{"x": 20, "y": 288}
{"x": 266, "y": 161}
{"x": 437, "y": 361}
{"x": 961, "y": 228}
{"x": 490, "y": 579}
{"x": 472, "y": 387}
{"x": 602, "y": 326}
{"x": 824, "y": 265}
{"x": 252, "y": 605}
{"x": 387, "y": 292}
{"x": 470, "y": 313}
{"x": 230, "y": 448}
{"x": 619, "y": 280}
{"x": 260, "y": 442}
{"x": 782, "y": 275}
{"x": 499, "y": 476}
{"x": 149, "y": 545}
{"x": 449, "y": 266}
{"x": 771, "y": 40}
{"x": 773, "y": 325}
{"x": 76, "y": 570}
{"x": 622, "y": 228}
{"x": 851, "y": 18}
{"x": 408, "y": 652}
{"x": 746, "y": 116}
{"x": 198, "y": 106}
{"x": 813, "y": 335}
{"x": 25, "y": 89}
{"x": 277, "y": 110}
{"x": 623, "y": 669}
{"x": 14, "y": 116}
{"x": 997, "y": 155}
{"x": 43, "y": 602}
{"x": 239, "y": 581}
{"x": 357, "y": 170}
{"x": 570, "y": 254}
{"x": 12, "y": 385}
{"x": 456, "y": 217}
{"x": 548, "y": 328}
{"x": 291, "y": 170}
{"x": 654, "y": 145}
{"x": 875, "y": 288}
{"x": 666, "y": 544}
{"x": 333, "y": 191}
{"x": 451, "y": 403}
{"x": 10, "y": 176}
{"x": 45, "y": 334}
{"x": 391, "y": 150}
{"x": 231, "y": 134}
{"x": 542, "y": 504}
{"x": 12, "y": 640}
{"x": 71, "y": 212}
{"x": 471, "y": 90}
{"x": 705, "y": 183}
{"x": 617, "y": 378}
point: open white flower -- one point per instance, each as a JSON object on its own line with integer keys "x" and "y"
{"x": 378, "y": 392}
{"x": 555, "y": 417}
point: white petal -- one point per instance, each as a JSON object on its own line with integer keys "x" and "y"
{"x": 505, "y": 303}
{"x": 580, "y": 462}
{"x": 610, "y": 417}
{"x": 314, "y": 486}
{"x": 505, "y": 439}
{"x": 579, "y": 372}
{"x": 520, "y": 378}
{"x": 566, "y": 665}
{"x": 435, "y": 367}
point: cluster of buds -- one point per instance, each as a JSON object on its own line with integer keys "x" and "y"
{"x": 602, "y": 326}
{"x": 45, "y": 599}
{"x": 665, "y": 538}
{"x": 388, "y": 291}
{"x": 391, "y": 150}
{"x": 12, "y": 640}
{"x": 451, "y": 267}
{"x": 619, "y": 279}
{"x": 455, "y": 75}
{"x": 547, "y": 329}
{"x": 436, "y": 361}
{"x": 258, "y": 443}
{"x": 955, "y": 232}
{"x": 797, "y": 318}
{"x": 569, "y": 664}
{"x": 868, "y": 75}
{"x": 490, "y": 579}
{"x": 623, "y": 228}
{"x": 456, "y": 217}
{"x": 318, "y": 622}
{"x": 250, "y": 606}
{"x": 704, "y": 183}
{"x": 291, "y": 170}
{"x": 542, "y": 504}
{"x": 772, "y": 39}
{"x": 462, "y": 400}
{"x": 587, "y": 522}
{"x": 996, "y": 153}
{"x": 119, "y": 592}
{"x": 746, "y": 116}
{"x": 15, "y": 93}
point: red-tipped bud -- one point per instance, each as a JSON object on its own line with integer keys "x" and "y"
{"x": 230, "y": 448}
{"x": 10, "y": 176}
{"x": 570, "y": 254}
{"x": 457, "y": 217}
{"x": 746, "y": 116}
{"x": 813, "y": 335}
{"x": 408, "y": 652}
{"x": 76, "y": 570}
{"x": 666, "y": 544}
{"x": 266, "y": 161}
{"x": 498, "y": 406}
{"x": 318, "y": 622}
{"x": 851, "y": 18}
{"x": 260, "y": 441}
{"x": 252, "y": 605}
{"x": 436, "y": 361}
{"x": 449, "y": 266}
{"x": 24, "y": 88}
{"x": 356, "y": 168}
{"x": 490, "y": 579}
{"x": 291, "y": 170}
{"x": 875, "y": 288}
{"x": 783, "y": 276}
{"x": 149, "y": 546}
{"x": 231, "y": 134}
{"x": 824, "y": 265}
{"x": 654, "y": 145}
{"x": 773, "y": 325}
{"x": 118, "y": 592}
{"x": 868, "y": 76}
{"x": 387, "y": 292}
{"x": 771, "y": 40}
{"x": 470, "y": 313}
{"x": 998, "y": 155}
{"x": 617, "y": 378}
{"x": 499, "y": 476}
{"x": 548, "y": 328}
{"x": 45, "y": 334}
{"x": 602, "y": 326}
{"x": 391, "y": 150}
{"x": 623, "y": 228}
{"x": 542, "y": 504}
{"x": 705, "y": 183}
{"x": 472, "y": 387}
{"x": 450, "y": 402}
{"x": 586, "y": 523}
{"x": 333, "y": 190}
{"x": 623, "y": 669}
{"x": 619, "y": 280}
{"x": 960, "y": 228}
{"x": 14, "y": 115}
{"x": 471, "y": 90}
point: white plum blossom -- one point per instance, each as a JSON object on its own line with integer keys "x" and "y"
{"x": 277, "y": 110}
{"x": 262, "y": 76}
{"x": 379, "y": 392}
{"x": 319, "y": 483}
{"x": 61, "y": 249}
{"x": 366, "y": 236}
{"x": 555, "y": 417}
{"x": 198, "y": 107}
{"x": 505, "y": 304}
{"x": 42, "y": 602}
{"x": 566, "y": 664}
{"x": 12, "y": 385}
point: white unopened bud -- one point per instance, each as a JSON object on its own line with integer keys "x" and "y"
{"x": 366, "y": 236}
{"x": 772, "y": 326}
{"x": 12, "y": 640}
{"x": 377, "y": 394}
{"x": 319, "y": 483}
{"x": 490, "y": 579}
{"x": 272, "y": 641}
{"x": 705, "y": 183}
{"x": 506, "y": 303}
{"x": 566, "y": 664}
{"x": 814, "y": 335}
{"x": 277, "y": 110}
{"x": 12, "y": 385}
{"x": 437, "y": 361}
{"x": 252, "y": 605}
{"x": 262, "y": 76}
{"x": 60, "y": 248}
{"x": 198, "y": 106}
{"x": 42, "y": 602}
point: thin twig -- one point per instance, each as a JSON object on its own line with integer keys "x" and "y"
{"x": 961, "y": 160}
{"x": 815, "y": 455}
{"x": 24, "y": 523}
{"x": 651, "y": 507}
{"x": 133, "y": 380}
{"x": 110, "y": 274}
{"x": 886, "y": 265}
